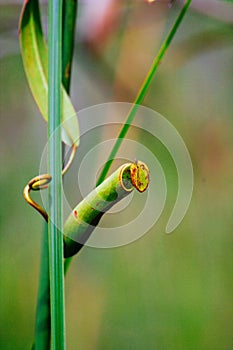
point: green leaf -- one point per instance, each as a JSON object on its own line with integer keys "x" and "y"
{"x": 55, "y": 214}
{"x": 35, "y": 59}
{"x": 143, "y": 91}
{"x": 43, "y": 326}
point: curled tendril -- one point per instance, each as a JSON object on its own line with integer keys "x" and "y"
{"x": 36, "y": 184}
{"x": 41, "y": 182}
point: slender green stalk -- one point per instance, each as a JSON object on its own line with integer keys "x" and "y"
{"x": 143, "y": 91}
{"x": 55, "y": 222}
{"x": 68, "y": 33}
{"x": 42, "y": 328}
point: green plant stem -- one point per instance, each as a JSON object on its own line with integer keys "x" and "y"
{"x": 68, "y": 34}
{"x": 87, "y": 214}
{"x": 55, "y": 221}
{"x": 143, "y": 91}
{"x": 42, "y": 327}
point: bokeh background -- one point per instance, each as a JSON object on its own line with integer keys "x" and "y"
{"x": 162, "y": 291}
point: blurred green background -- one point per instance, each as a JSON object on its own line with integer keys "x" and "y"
{"x": 162, "y": 291}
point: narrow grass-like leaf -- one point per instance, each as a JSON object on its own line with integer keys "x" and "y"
{"x": 43, "y": 327}
{"x": 35, "y": 59}
{"x": 55, "y": 218}
{"x": 69, "y": 14}
{"x": 143, "y": 91}
{"x": 68, "y": 33}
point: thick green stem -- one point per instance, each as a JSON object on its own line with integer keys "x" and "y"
{"x": 55, "y": 222}
{"x": 87, "y": 214}
{"x": 143, "y": 91}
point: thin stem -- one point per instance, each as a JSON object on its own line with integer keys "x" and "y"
{"x": 42, "y": 327}
{"x": 43, "y": 319}
{"x": 55, "y": 222}
{"x": 68, "y": 34}
{"x": 143, "y": 91}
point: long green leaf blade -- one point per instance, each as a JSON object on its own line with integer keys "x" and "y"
{"x": 55, "y": 217}
{"x": 35, "y": 59}
{"x": 68, "y": 31}
{"x": 42, "y": 327}
{"x": 143, "y": 91}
